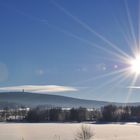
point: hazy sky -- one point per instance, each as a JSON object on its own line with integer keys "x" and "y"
{"x": 69, "y": 46}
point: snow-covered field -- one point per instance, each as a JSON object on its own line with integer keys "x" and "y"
{"x": 66, "y": 131}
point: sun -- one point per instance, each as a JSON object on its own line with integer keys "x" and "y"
{"x": 135, "y": 65}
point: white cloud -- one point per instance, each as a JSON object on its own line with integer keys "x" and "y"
{"x": 39, "y": 88}
{"x": 134, "y": 87}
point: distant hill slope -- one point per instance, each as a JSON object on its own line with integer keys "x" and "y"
{"x": 33, "y": 99}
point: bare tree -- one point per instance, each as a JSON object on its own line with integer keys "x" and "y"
{"x": 85, "y": 133}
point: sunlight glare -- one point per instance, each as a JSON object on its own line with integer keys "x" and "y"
{"x": 135, "y": 64}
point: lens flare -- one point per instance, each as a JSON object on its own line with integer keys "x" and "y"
{"x": 135, "y": 65}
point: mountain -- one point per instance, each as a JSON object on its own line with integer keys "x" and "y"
{"x": 13, "y": 99}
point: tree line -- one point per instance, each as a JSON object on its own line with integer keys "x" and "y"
{"x": 13, "y": 114}
{"x": 112, "y": 113}
{"x": 109, "y": 113}
{"x": 59, "y": 114}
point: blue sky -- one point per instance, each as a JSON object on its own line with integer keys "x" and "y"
{"x": 68, "y": 44}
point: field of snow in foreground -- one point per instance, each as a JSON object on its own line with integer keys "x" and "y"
{"x": 60, "y": 131}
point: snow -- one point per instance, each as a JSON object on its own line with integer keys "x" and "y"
{"x": 67, "y": 131}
